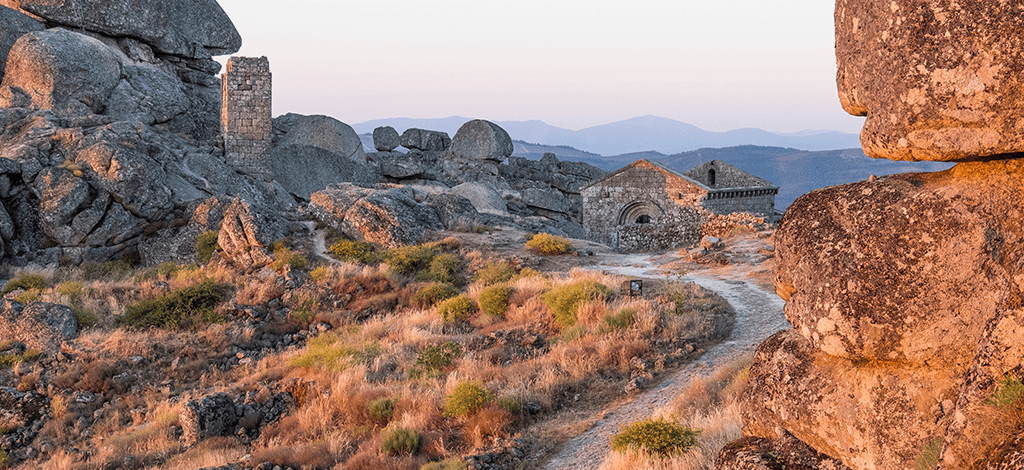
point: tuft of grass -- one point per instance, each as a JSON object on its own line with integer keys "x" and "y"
{"x": 409, "y": 259}
{"x": 180, "y": 308}
{"x": 547, "y": 244}
{"x": 929, "y": 457}
{"x": 466, "y": 398}
{"x": 168, "y": 269}
{"x": 321, "y": 273}
{"x": 494, "y": 273}
{"x": 456, "y": 309}
{"x": 206, "y": 244}
{"x": 655, "y": 436}
{"x": 494, "y": 300}
{"x": 71, "y": 289}
{"x": 431, "y": 360}
{"x": 329, "y": 352}
{"x": 622, "y": 320}
{"x": 400, "y": 441}
{"x": 1008, "y": 391}
{"x": 84, "y": 317}
{"x": 354, "y": 250}
{"x": 446, "y": 464}
{"x": 565, "y": 301}
{"x": 8, "y": 360}
{"x": 283, "y": 255}
{"x": 24, "y": 281}
{"x": 382, "y": 409}
{"x": 28, "y": 296}
{"x": 434, "y": 293}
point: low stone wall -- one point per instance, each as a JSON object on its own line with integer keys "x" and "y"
{"x": 724, "y": 226}
{"x": 652, "y": 237}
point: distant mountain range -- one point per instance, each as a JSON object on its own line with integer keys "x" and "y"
{"x": 633, "y": 135}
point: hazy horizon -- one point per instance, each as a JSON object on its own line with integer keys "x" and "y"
{"x": 571, "y": 64}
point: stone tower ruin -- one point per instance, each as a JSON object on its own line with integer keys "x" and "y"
{"x": 246, "y": 113}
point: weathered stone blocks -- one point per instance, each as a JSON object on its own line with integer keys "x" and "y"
{"x": 246, "y": 115}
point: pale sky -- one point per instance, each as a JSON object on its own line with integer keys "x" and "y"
{"x": 719, "y": 65}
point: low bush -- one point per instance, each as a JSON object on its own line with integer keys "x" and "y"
{"x": 456, "y": 309}
{"x": 400, "y": 441}
{"x": 431, "y": 360}
{"x": 382, "y": 409}
{"x": 657, "y": 437}
{"x": 547, "y": 244}
{"x": 329, "y": 352}
{"x": 84, "y": 317}
{"x": 446, "y": 464}
{"x": 564, "y": 301}
{"x": 494, "y": 273}
{"x": 206, "y": 244}
{"x": 442, "y": 268}
{"x": 170, "y": 268}
{"x": 283, "y": 255}
{"x": 409, "y": 259}
{"x": 494, "y": 300}
{"x": 466, "y": 398}
{"x": 24, "y": 281}
{"x": 618, "y": 321}
{"x": 354, "y": 250}
{"x": 321, "y": 273}
{"x": 71, "y": 289}
{"x": 433, "y": 293}
{"x": 184, "y": 307}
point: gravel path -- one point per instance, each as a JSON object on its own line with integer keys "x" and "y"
{"x": 758, "y": 316}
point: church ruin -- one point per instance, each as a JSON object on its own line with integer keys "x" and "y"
{"x": 246, "y": 115}
{"x": 648, "y": 206}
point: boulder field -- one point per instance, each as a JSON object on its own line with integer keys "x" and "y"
{"x": 904, "y": 291}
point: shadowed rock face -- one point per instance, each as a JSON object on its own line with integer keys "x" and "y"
{"x": 938, "y": 80}
{"x": 195, "y": 28}
{"x": 15, "y": 24}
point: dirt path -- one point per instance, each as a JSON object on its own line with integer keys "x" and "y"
{"x": 758, "y": 315}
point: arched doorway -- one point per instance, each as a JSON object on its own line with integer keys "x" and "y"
{"x": 640, "y": 212}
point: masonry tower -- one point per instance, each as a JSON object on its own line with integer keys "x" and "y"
{"x": 246, "y": 114}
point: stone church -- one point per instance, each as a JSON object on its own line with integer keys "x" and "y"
{"x": 648, "y": 206}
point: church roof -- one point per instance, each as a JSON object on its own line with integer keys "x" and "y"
{"x": 727, "y": 176}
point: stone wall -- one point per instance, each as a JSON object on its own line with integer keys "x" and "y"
{"x": 642, "y": 190}
{"x": 650, "y": 237}
{"x": 246, "y": 115}
{"x": 754, "y": 201}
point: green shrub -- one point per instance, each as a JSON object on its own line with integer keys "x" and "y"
{"x": 1008, "y": 391}
{"x": 321, "y": 273}
{"x": 382, "y": 409}
{"x": 28, "y": 296}
{"x": 547, "y": 244}
{"x": 466, "y": 398}
{"x": 442, "y": 268}
{"x": 622, "y": 320}
{"x": 329, "y": 352}
{"x": 494, "y": 300}
{"x": 566, "y": 300}
{"x": 494, "y": 273}
{"x": 71, "y": 289}
{"x": 354, "y": 250}
{"x": 400, "y": 441}
{"x": 8, "y": 360}
{"x": 432, "y": 359}
{"x": 511, "y": 405}
{"x": 84, "y": 317}
{"x": 409, "y": 259}
{"x": 573, "y": 333}
{"x": 433, "y": 293}
{"x": 456, "y": 309}
{"x": 283, "y": 255}
{"x": 527, "y": 273}
{"x": 24, "y": 281}
{"x": 657, "y": 437}
{"x": 180, "y": 308}
{"x": 446, "y": 464}
{"x": 169, "y": 268}
{"x": 206, "y": 244}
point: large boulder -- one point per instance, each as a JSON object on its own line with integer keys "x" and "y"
{"x": 482, "y": 140}
{"x": 58, "y": 67}
{"x": 148, "y": 94}
{"x": 304, "y": 169}
{"x": 937, "y": 80}
{"x": 248, "y": 231}
{"x": 40, "y": 326}
{"x": 15, "y": 25}
{"x": 458, "y": 214}
{"x": 195, "y": 29}
{"x": 889, "y": 269}
{"x": 386, "y": 139}
{"x": 322, "y": 132}
{"x": 429, "y": 141}
{"x": 413, "y": 165}
{"x": 386, "y": 215}
{"x": 484, "y": 198}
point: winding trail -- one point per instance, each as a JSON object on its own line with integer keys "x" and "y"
{"x": 758, "y": 316}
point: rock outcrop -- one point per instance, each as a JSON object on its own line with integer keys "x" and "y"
{"x": 386, "y": 215}
{"x": 322, "y": 132}
{"x": 16, "y": 25}
{"x": 39, "y": 326}
{"x": 248, "y": 232}
{"x": 937, "y": 80}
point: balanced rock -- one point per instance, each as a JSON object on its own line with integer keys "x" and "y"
{"x": 937, "y": 80}
{"x": 56, "y": 66}
{"x": 482, "y": 140}
{"x": 386, "y": 139}
{"x": 15, "y": 25}
{"x": 430, "y": 141}
{"x": 322, "y": 132}
{"x": 40, "y": 326}
{"x": 195, "y": 29}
